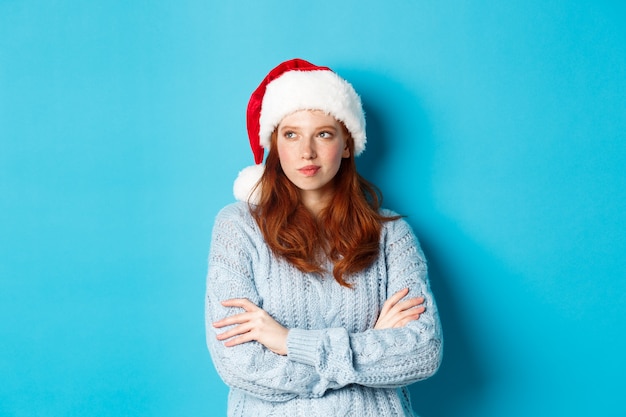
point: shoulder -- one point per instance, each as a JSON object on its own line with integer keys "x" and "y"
{"x": 398, "y": 226}
{"x": 235, "y": 219}
{"x": 237, "y": 210}
{"x": 234, "y": 214}
{"x": 387, "y": 212}
{"x": 398, "y": 233}
{"x": 236, "y": 233}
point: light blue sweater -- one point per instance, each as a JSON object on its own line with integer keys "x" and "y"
{"x": 337, "y": 364}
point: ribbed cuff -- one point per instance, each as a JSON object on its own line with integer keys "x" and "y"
{"x": 302, "y": 345}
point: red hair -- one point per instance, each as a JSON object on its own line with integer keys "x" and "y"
{"x": 347, "y": 231}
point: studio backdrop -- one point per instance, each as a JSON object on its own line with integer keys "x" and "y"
{"x": 497, "y": 128}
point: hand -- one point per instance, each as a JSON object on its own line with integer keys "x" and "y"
{"x": 397, "y": 312}
{"x": 253, "y": 324}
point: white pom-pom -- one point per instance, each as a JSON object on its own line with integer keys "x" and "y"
{"x": 245, "y": 188}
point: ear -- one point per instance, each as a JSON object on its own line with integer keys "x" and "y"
{"x": 346, "y": 151}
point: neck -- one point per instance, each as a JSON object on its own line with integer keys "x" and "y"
{"x": 315, "y": 202}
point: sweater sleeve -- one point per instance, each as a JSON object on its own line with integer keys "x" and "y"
{"x": 380, "y": 358}
{"x": 250, "y": 367}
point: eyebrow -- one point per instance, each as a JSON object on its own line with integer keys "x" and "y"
{"x": 328, "y": 127}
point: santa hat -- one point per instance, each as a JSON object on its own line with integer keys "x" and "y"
{"x": 296, "y": 85}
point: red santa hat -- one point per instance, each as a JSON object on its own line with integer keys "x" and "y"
{"x": 296, "y": 85}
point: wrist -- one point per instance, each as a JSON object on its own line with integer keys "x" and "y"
{"x": 302, "y": 345}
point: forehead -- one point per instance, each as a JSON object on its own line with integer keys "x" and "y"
{"x": 309, "y": 117}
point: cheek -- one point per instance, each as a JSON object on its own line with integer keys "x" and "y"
{"x": 336, "y": 154}
{"x": 282, "y": 153}
{"x": 285, "y": 157}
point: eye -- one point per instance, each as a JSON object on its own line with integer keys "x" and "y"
{"x": 289, "y": 134}
{"x": 325, "y": 134}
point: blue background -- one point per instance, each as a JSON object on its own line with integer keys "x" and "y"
{"x": 498, "y": 128}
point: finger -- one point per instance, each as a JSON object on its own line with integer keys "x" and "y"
{"x": 244, "y": 338}
{"x": 400, "y": 316}
{"x": 240, "y": 302}
{"x": 234, "y": 319}
{"x": 408, "y": 304}
{"x": 409, "y": 316}
{"x": 235, "y": 331}
{"x": 393, "y": 300}
{"x": 399, "y": 295}
{"x": 406, "y": 321}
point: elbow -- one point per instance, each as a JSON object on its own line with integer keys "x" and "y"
{"x": 429, "y": 360}
{"x": 248, "y": 385}
{"x": 435, "y": 357}
{"x": 239, "y": 372}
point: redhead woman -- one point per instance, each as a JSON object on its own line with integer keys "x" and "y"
{"x": 318, "y": 301}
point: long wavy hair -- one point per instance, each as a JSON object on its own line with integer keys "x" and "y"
{"x": 346, "y": 232}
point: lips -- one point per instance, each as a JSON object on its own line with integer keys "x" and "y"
{"x": 309, "y": 170}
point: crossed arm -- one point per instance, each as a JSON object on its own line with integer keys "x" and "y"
{"x": 255, "y": 324}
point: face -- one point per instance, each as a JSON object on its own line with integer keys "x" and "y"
{"x": 311, "y": 145}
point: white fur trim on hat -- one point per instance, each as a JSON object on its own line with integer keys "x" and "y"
{"x": 312, "y": 90}
{"x": 245, "y": 187}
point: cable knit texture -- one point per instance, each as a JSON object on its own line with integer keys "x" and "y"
{"x": 337, "y": 364}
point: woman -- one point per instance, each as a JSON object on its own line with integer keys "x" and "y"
{"x": 318, "y": 302}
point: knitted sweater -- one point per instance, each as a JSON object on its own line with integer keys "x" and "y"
{"x": 337, "y": 364}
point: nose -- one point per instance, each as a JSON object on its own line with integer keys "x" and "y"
{"x": 307, "y": 149}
